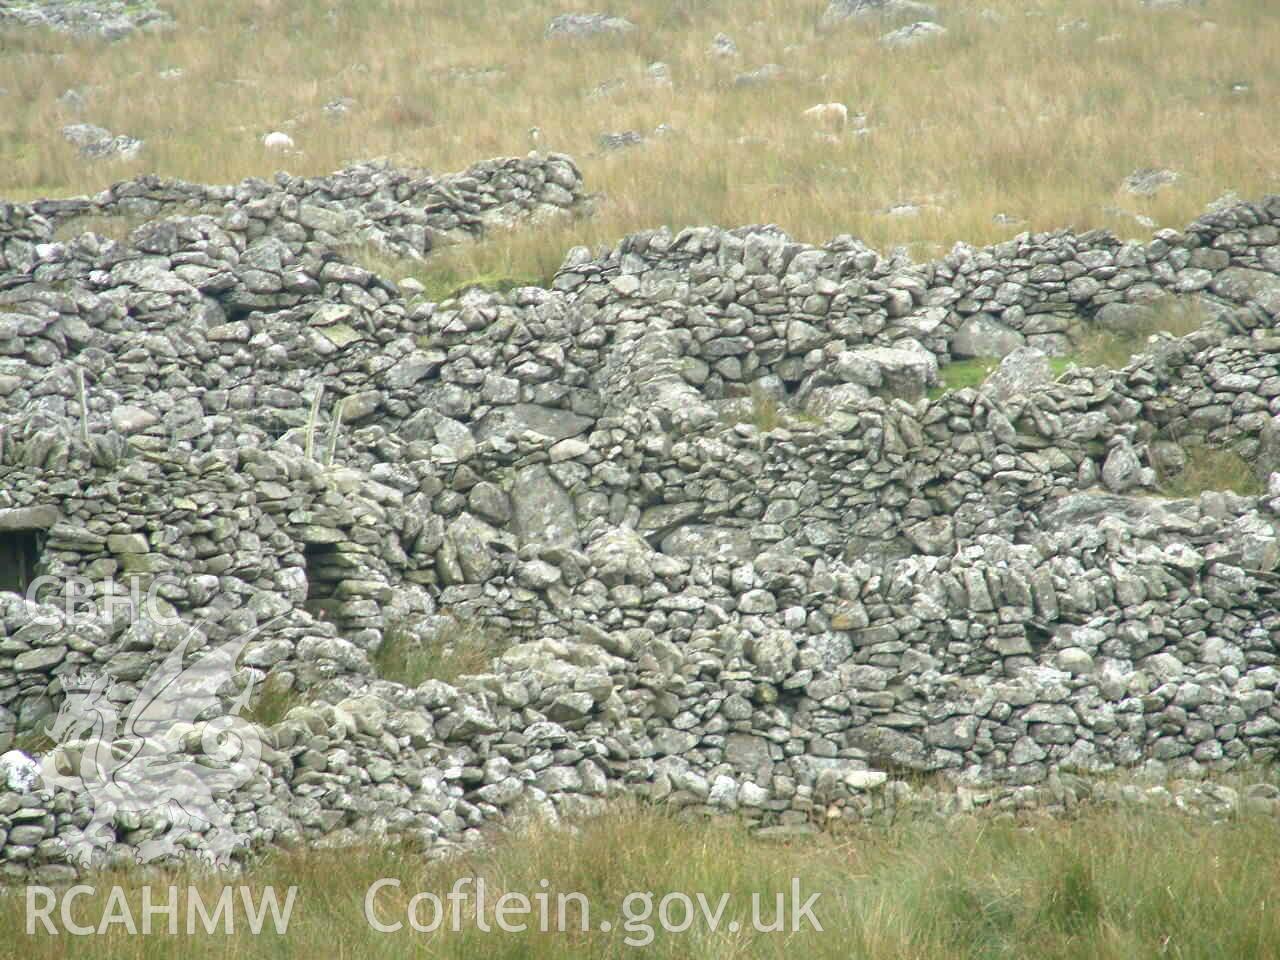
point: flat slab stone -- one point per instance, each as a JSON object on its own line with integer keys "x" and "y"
{"x": 548, "y": 421}
{"x": 27, "y": 518}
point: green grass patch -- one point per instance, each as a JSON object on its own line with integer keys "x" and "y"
{"x": 963, "y": 373}
{"x": 974, "y": 372}
{"x": 1211, "y": 468}
{"x": 1178, "y": 316}
{"x": 1060, "y": 365}
{"x": 452, "y": 648}
{"x": 33, "y": 742}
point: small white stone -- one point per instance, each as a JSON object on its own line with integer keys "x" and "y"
{"x": 19, "y": 772}
{"x": 865, "y": 779}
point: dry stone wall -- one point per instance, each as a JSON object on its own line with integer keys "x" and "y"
{"x": 105, "y": 19}
{"x": 738, "y": 557}
{"x": 405, "y": 212}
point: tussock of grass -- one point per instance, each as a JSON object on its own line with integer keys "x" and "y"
{"x": 1212, "y": 468}
{"x": 454, "y": 648}
{"x": 274, "y": 698}
{"x": 765, "y": 413}
{"x": 1109, "y": 885}
{"x": 33, "y": 742}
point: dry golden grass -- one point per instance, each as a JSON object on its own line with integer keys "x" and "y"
{"x": 1107, "y": 885}
{"x": 1212, "y": 468}
{"x": 1178, "y": 316}
{"x": 996, "y": 117}
{"x": 115, "y": 227}
{"x": 507, "y": 258}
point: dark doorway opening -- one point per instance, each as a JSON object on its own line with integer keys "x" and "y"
{"x": 19, "y": 554}
{"x": 320, "y": 561}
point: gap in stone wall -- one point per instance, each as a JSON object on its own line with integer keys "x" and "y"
{"x": 322, "y": 601}
{"x": 19, "y": 556}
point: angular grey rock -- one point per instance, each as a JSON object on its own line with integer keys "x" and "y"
{"x": 1020, "y": 373}
{"x": 1074, "y": 661}
{"x": 699, "y": 540}
{"x": 579, "y": 26}
{"x": 1122, "y": 470}
{"x": 774, "y": 654}
{"x": 620, "y": 140}
{"x": 1148, "y": 181}
{"x": 98, "y": 143}
{"x": 455, "y": 438}
{"x": 19, "y": 772}
{"x": 541, "y": 511}
{"x": 27, "y": 518}
{"x": 984, "y": 336}
{"x": 1242, "y": 284}
{"x": 723, "y": 46}
{"x": 128, "y": 419}
{"x": 824, "y": 402}
{"x": 913, "y": 34}
{"x": 841, "y": 11}
{"x": 1125, "y": 318}
{"x": 479, "y": 547}
{"x": 1268, "y": 455}
{"x": 547, "y": 421}
{"x": 759, "y": 76}
{"x": 905, "y": 371}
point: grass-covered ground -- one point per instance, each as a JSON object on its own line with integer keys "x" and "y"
{"x": 1106, "y": 884}
{"x": 973, "y": 372}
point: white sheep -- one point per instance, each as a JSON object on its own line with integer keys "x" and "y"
{"x": 832, "y": 117}
{"x": 277, "y": 141}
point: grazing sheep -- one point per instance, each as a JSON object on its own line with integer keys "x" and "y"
{"x": 277, "y": 141}
{"x": 831, "y": 117}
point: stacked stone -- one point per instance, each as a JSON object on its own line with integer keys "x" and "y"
{"x": 741, "y": 560}
{"x": 107, "y": 19}
{"x": 21, "y": 228}
{"x": 402, "y": 211}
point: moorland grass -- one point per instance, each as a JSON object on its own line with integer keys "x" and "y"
{"x": 1108, "y": 884}
{"x": 1177, "y": 316}
{"x": 1006, "y": 113}
{"x": 1212, "y": 468}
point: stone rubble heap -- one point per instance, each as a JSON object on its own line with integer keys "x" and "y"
{"x": 402, "y": 212}
{"x": 107, "y": 19}
{"x": 99, "y": 143}
{"x": 735, "y": 551}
